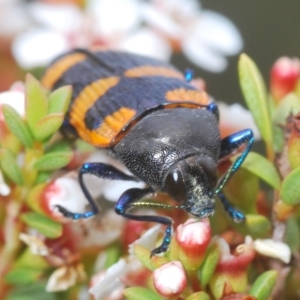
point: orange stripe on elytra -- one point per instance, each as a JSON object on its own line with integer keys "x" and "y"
{"x": 152, "y": 71}
{"x": 59, "y": 67}
{"x": 184, "y": 95}
{"x": 111, "y": 125}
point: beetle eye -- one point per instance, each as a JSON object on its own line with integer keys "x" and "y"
{"x": 174, "y": 185}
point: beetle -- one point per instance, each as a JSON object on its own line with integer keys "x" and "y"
{"x": 164, "y": 130}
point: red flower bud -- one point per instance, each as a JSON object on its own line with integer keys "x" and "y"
{"x": 170, "y": 279}
{"x": 285, "y": 74}
{"x": 192, "y": 238}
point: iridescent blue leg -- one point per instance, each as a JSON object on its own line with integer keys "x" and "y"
{"x": 100, "y": 170}
{"x": 229, "y": 145}
{"x": 130, "y": 198}
{"x": 234, "y": 213}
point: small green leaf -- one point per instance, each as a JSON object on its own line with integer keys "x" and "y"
{"x": 59, "y": 100}
{"x": 290, "y": 104}
{"x": 36, "y": 102}
{"x": 143, "y": 256}
{"x": 48, "y": 126}
{"x": 24, "y": 261}
{"x": 53, "y": 160}
{"x": 290, "y": 190}
{"x": 254, "y": 91}
{"x": 209, "y": 265}
{"x": 44, "y": 225}
{"x": 23, "y": 276}
{"x": 263, "y": 285}
{"x": 262, "y": 168}
{"x": 198, "y": 296}
{"x": 257, "y": 226}
{"x": 10, "y": 167}
{"x": 139, "y": 293}
{"x": 17, "y": 125}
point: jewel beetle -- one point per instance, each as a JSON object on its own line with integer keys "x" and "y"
{"x": 164, "y": 130}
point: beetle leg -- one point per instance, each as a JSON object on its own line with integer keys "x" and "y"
{"x": 234, "y": 213}
{"x": 130, "y": 199}
{"x": 229, "y": 145}
{"x": 213, "y": 108}
{"x": 100, "y": 170}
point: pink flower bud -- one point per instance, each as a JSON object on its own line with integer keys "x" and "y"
{"x": 192, "y": 238}
{"x": 285, "y": 74}
{"x": 231, "y": 269}
{"x": 170, "y": 279}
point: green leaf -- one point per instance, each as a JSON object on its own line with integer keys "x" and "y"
{"x": 17, "y": 125}
{"x": 209, "y": 265}
{"x": 23, "y": 276}
{"x": 290, "y": 190}
{"x": 257, "y": 226}
{"x": 24, "y": 261}
{"x": 254, "y": 91}
{"x": 143, "y": 256}
{"x": 53, "y": 160}
{"x": 44, "y": 225}
{"x": 59, "y": 100}
{"x": 262, "y": 168}
{"x": 290, "y": 104}
{"x": 198, "y": 296}
{"x": 36, "y": 102}
{"x": 10, "y": 167}
{"x": 263, "y": 285}
{"x": 139, "y": 293}
{"x": 48, "y": 126}
{"x": 292, "y": 234}
{"x": 36, "y": 290}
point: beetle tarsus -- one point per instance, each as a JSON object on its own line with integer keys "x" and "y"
{"x": 75, "y": 216}
{"x": 236, "y": 215}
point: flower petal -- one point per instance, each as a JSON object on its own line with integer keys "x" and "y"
{"x": 61, "y": 279}
{"x": 37, "y": 47}
{"x": 147, "y": 240}
{"x": 109, "y": 281}
{"x": 114, "y": 16}
{"x": 273, "y": 249}
{"x": 202, "y": 56}
{"x": 60, "y": 17}
{"x": 147, "y": 42}
{"x": 218, "y": 33}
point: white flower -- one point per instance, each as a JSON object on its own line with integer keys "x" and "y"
{"x": 64, "y": 277}
{"x": 273, "y": 249}
{"x": 35, "y": 243}
{"x": 147, "y": 240}
{"x": 63, "y": 27}
{"x": 107, "y": 282}
{"x": 205, "y": 37}
{"x": 151, "y": 28}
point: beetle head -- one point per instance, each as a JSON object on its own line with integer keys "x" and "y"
{"x": 191, "y": 182}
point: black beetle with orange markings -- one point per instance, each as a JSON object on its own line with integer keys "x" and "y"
{"x": 164, "y": 130}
